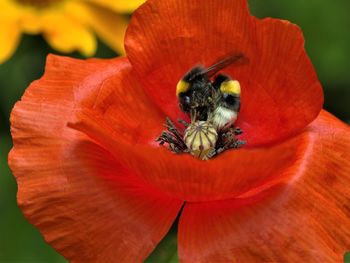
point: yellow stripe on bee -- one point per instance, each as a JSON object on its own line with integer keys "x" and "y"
{"x": 181, "y": 87}
{"x": 231, "y": 87}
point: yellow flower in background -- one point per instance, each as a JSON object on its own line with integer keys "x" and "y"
{"x": 67, "y": 25}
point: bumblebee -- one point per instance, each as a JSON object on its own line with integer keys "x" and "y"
{"x": 203, "y": 99}
{"x": 212, "y": 102}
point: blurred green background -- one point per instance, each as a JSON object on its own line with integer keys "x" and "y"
{"x": 326, "y": 27}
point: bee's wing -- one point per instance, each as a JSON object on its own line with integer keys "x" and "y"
{"x": 225, "y": 62}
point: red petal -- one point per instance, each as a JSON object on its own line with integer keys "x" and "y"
{"x": 87, "y": 206}
{"x": 123, "y": 104}
{"x": 185, "y": 177}
{"x": 280, "y": 90}
{"x": 304, "y": 219}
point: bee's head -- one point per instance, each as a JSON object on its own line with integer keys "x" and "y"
{"x": 184, "y": 94}
{"x": 194, "y": 92}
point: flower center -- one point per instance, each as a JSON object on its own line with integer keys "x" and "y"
{"x": 212, "y": 102}
{"x": 38, "y": 3}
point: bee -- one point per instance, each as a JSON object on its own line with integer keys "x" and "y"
{"x": 203, "y": 99}
{"x": 212, "y": 102}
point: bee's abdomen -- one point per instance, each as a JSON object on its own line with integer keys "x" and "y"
{"x": 223, "y": 117}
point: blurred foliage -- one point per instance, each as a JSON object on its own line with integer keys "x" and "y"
{"x": 19, "y": 241}
{"x": 325, "y": 24}
{"x": 326, "y": 27}
{"x": 347, "y": 257}
{"x": 166, "y": 250}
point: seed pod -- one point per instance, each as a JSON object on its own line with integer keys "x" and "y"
{"x": 200, "y": 138}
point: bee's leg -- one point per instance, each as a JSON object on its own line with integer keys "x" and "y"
{"x": 193, "y": 114}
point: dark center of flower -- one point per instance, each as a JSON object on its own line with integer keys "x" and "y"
{"x": 38, "y": 3}
{"x": 212, "y": 102}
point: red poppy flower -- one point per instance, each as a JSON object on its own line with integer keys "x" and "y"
{"x": 98, "y": 187}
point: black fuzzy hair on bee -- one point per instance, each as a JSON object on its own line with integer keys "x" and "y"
{"x": 212, "y": 102}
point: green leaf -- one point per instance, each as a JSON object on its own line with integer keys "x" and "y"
{"x": 166, "y": 251}
{"x": 347, "y": 257}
